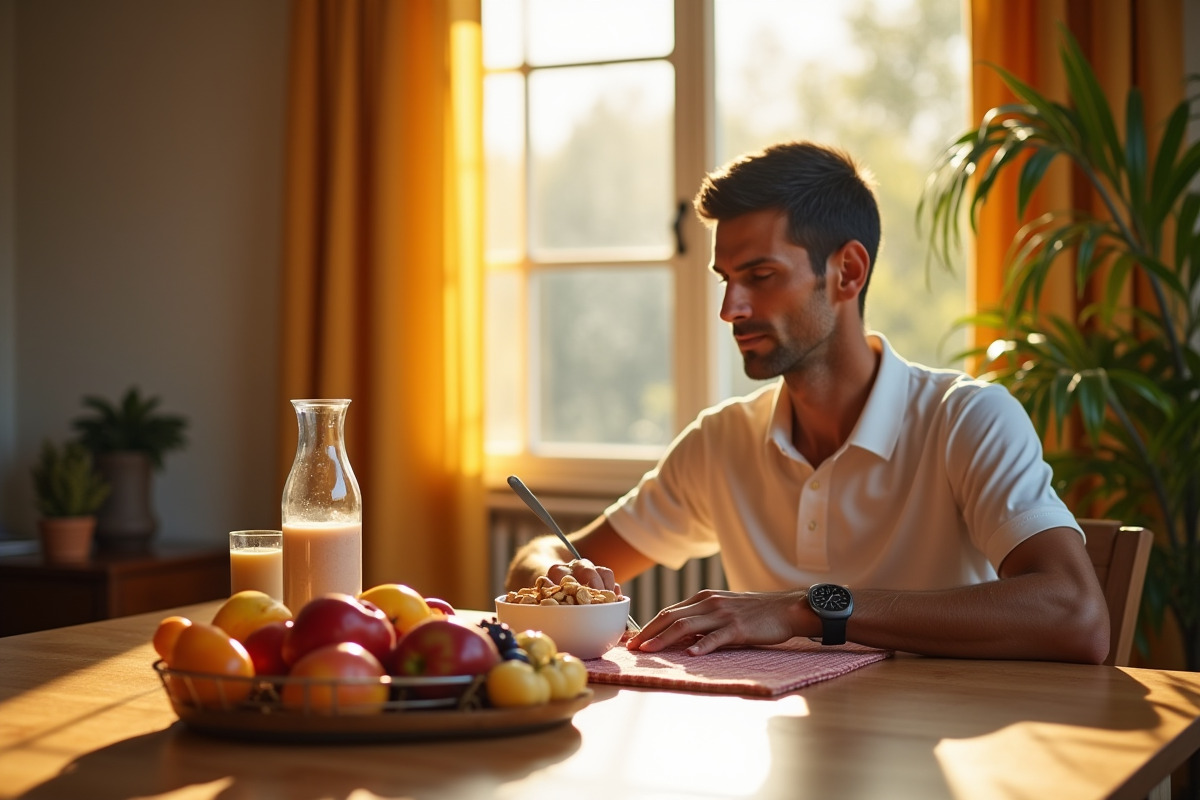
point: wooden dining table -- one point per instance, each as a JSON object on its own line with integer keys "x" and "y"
{"x": 84, "y": 715}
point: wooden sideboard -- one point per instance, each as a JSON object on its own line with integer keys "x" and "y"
{"x": 36, "y": 594}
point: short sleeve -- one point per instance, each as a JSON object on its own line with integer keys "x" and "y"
{"x": 1000, "y": 478}
{"x": 665, "y": 517}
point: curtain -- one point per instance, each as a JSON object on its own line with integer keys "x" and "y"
{"x": 382, "y": 273}
{"x": 1128, "y": 43}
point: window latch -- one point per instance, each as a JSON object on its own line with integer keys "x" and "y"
{"x": 680, "y": 211}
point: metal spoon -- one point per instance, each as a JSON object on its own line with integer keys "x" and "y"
{"x": 536, "y": 506}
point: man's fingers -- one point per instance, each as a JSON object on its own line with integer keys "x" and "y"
{"x": 607, "y": 579}
{"x": 585, "y": 572}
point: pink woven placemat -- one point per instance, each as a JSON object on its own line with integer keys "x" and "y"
{"x": 763, "y": 671}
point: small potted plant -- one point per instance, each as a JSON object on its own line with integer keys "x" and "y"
{"x": 129, "y": 440}
{"x": 69, "y": 492}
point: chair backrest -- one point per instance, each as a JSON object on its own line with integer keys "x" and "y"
{"x": 1120, "y": 555}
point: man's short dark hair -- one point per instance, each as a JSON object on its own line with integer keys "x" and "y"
{"x": 828, "y": 198}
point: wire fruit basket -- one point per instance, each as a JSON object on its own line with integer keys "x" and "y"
{"x": 389, "y": 708}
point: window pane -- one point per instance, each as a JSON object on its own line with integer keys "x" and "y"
{"x": 503, "y": 26}
{"x": 887, "y": 82}
{"x": 503, "y": 376}
{"x": 604, "y": 350}
{"x": 601, "y": 160}
{"x": 575, "y": 31}
{"x": 504, "y": 144}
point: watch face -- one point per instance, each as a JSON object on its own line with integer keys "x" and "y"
{"x": 829, "y": 597}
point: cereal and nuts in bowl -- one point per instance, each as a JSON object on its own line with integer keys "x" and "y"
{"x": 582, "y": 621}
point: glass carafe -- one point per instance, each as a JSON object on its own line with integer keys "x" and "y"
{"x": 322, "y": 509}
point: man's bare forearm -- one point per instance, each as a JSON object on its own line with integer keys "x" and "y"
{"x": 1024, "y": 617}
{"x": 1047, "y": 605}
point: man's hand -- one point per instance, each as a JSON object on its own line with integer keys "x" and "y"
{"x": 587, "y": 573}
{"x": 712, "y": 619}
{"x": 598, "y": 542}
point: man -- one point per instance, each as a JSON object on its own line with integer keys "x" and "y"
{"x": 861, "y": 496}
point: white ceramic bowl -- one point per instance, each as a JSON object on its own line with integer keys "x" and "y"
{"x": 583, "y": 631}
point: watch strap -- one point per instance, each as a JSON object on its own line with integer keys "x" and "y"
{"x": 833, "y": 631}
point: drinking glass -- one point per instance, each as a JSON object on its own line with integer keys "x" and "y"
{"x": 256, "y": 562}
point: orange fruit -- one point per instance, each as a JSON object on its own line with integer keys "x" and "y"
{"x": 165, "y": 635}
{"x": 207, "y": 650}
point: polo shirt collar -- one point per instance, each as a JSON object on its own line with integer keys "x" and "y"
{"x": 878, "y": 428}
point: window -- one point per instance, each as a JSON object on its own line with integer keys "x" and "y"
{"x": 600, "y": 120}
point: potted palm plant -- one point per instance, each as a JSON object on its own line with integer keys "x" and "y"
{"x": 129, "y": 440}
{"x": 69, "y": 492}
{"x": 1124, "y": 377}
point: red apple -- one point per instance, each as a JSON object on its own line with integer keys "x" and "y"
{"x": 337, "y": 618}
{"x": 342, "y": 679}
{"x": 265, "y": 647}
{"x": 443, "y": 646}
{"x": 438, "y": 604}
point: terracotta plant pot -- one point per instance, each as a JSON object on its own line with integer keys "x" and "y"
{"x": 126, "y": 522}
{"x": 67, "y": 539}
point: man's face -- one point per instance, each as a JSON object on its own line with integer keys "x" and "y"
{"x": 779, "y": 310}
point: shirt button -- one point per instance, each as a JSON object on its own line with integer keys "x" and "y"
{"x": 815, "y": 485}
{"x": 812, "y": 524}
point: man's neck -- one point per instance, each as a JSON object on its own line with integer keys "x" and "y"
{"x": 830, "y": 398}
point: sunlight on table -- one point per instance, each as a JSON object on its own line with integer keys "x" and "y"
{"x": 678, "y": 745}
{"x": 991, "y": 766}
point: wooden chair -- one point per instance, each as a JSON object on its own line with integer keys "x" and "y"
{"x": 1120, "y": 555}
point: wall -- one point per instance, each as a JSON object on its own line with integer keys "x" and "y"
{"x": 146, "y": 232}
{"x": 8, "y": 397}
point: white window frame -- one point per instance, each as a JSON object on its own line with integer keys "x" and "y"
{"x": 612, "y": 470}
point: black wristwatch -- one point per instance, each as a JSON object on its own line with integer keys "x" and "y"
{"x": 833, "y": 604}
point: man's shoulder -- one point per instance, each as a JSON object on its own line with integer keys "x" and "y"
{"x": 759, "y": 403}
{"x": 736, "y": 419}
{"x": 945, "y": 385}
{"x": 953, "y": 394}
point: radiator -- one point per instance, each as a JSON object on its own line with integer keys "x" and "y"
{"x": 512, "y": 525}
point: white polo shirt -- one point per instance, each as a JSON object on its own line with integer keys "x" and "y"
{"x": 940, "y": 479}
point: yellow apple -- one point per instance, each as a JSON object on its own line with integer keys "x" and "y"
{"x": 247, "y": 611}
{"x": 539, "y": 646}
{"x": 404, "y": 606}
{"x": 574, "y": 672}
{"x": 515, "y": 683}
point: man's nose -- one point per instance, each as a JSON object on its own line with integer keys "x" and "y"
{"x": 734, "y": 306}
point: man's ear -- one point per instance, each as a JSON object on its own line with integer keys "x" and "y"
{"x": 850, "y": 266}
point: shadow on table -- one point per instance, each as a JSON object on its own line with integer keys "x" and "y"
{"x": 948, "y": 736}
{"x": 176, "y": 758}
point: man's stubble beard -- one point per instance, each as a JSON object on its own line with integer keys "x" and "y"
{"x": 788, "y": 359}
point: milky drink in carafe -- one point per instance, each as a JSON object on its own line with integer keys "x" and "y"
{"x": 319, "y": 558}
{"x": 322, "y": 509}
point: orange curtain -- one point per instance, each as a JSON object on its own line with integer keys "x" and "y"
{"x": 382, "y": 274}
{"x": 1128, "y": 43}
